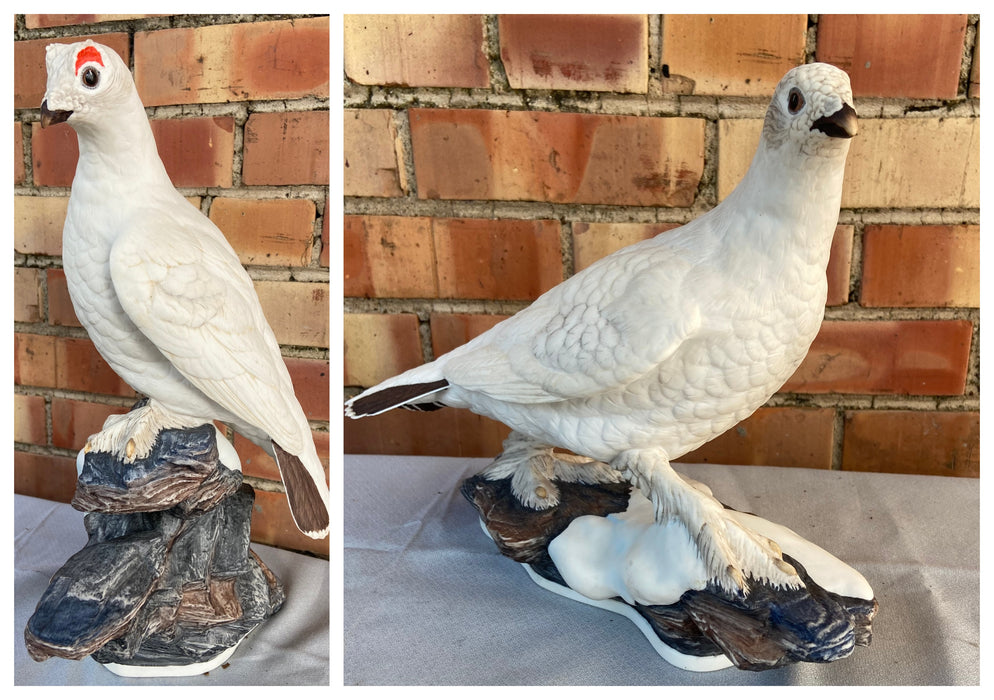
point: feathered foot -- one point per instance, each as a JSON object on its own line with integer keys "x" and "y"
{"x": 532, "y": 467}
{"x": 132, "y": 435}
{"x": 730, "y": 551}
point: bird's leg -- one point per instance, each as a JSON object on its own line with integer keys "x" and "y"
{"x": 131, "y": 436}
{"x": 532, "y": 466}
{"x": 730, "y": 551}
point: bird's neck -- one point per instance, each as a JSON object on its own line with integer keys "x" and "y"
{"x": 797, "y": 200}
{"x": 122, "y": 154}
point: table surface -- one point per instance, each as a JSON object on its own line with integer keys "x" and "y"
{"x": 291, "y": 648}
{"x": 429, "y": 600}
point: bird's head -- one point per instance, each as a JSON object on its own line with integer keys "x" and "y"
{"x": 85, "y": 80}
{"x": 812, "y": 111}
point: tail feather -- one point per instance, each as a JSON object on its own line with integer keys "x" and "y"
{"x": 308, "y": 504}
{"x": 392, "y": 397}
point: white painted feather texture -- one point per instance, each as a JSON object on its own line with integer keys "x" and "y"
{"x": 658, "y": 348}
{"x": 158, "y": 288}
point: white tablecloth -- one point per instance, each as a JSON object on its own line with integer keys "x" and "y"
{"x": 429, "y": 600}
{"x": 291, "y": 648}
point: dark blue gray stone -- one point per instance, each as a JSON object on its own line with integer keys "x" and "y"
{"x": 167, "y": 576}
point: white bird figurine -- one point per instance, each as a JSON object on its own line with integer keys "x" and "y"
{"x": 664, "y": 345}
{"x": 160, "y": 291}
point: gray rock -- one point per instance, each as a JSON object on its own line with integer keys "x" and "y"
{"x": 167, "y": 576}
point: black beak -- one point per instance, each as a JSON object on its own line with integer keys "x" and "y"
{"x": 841, "y": 125}
{"x": 48, "y": 117}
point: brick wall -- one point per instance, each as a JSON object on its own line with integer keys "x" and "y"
{"x": 239, "y": 107}
{"x": 487, "y": 158}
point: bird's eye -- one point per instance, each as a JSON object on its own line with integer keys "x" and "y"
{"x": 91, "y": 76}
{"x": 795, "y": 101}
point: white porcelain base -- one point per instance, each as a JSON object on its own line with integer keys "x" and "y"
{"x": 194, "y": 669}
{"x": 670, "y": 655}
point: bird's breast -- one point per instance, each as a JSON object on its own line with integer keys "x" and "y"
{"x": 87, "y": 239}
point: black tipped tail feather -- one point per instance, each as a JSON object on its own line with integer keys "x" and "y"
{"x": 307, "y": 504}
{"x": 405, "y": 396}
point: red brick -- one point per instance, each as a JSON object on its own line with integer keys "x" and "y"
{"x": 27, "y": 295}
{"x": 311, "y": 382}
{"x": 415, "y": 257}
{"x": 921, "y": 266}
{"x": 322, "y": 443}
{"x": 389, "y": 256}
{"x": 286, "y": 148}
{"x": 840, "y": 266}
{"x": 45, "y": 476}
{"x": 73, "y": 422}
{"x": 885, "y": 164}
{"x": 895, "y": 55}
{"x": 447, "y": 432}
{"x": 886, "y": 357}
{"x": 912, "y": 442}
{"x": 378, "y": 346}
{"x": 272, "y": 524}
{"x": 372, "y": 168}
{"x": 30, "y": 75}
{"x": 283, "y": 59}
{"x": 783, "y": 437}
{"x": 197, "y": 152}
{"x": 416, "y": 50}
{"x": 38, "y": 223}
{"x": 54, "y": 152}
{"x": 19, "y": 172}
{"x": 556, "y": 157}
{"x": 267, "y": 231}
{"x": 449, "y": 331}
{"x": 501, "y": 259}
{"x": 576, "y": 52}
{"x": 29, "y": 419}
{"x": 60, "y": 308}
{"x": 298, "y": 312}
{"x": 34, "y": 360}
{"x": 730, "y": 54}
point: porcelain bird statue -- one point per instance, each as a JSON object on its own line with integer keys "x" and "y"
{"x": 664, "y": 345}
{"x": 160, "y": 291}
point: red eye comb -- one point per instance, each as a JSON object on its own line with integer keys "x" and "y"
{"x": 89, "y": 53}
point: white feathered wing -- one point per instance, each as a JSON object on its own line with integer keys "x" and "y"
{"x": 602, "y": 328}
{"x": 194, "y": 301}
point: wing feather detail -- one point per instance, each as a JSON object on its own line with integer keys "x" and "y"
{"x": 598, "y": 331}
{"x": 183, "y": 286}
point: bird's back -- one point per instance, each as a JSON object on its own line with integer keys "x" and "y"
{"x": 726, "y": 341}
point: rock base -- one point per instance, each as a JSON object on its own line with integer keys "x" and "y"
{"x": 707, "y": 628}
{"x": 167, "y": 580}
